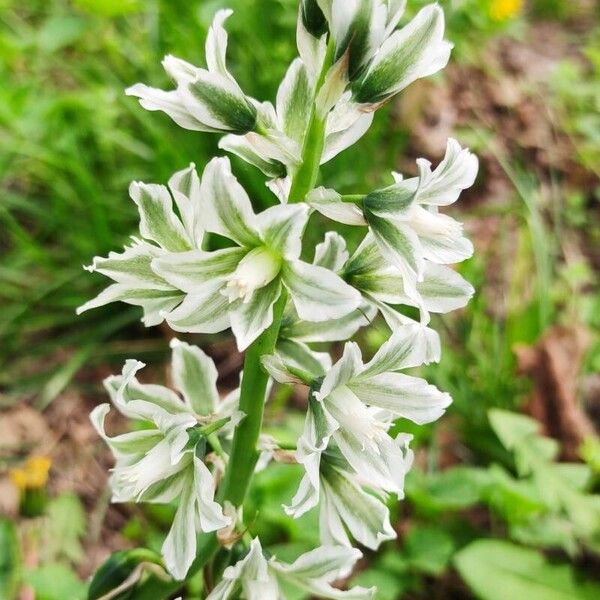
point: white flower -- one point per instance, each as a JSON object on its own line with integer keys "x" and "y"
{"x": 163, "y": 462}
{"x": 416, "y": 50}
{"x": 353, "y": 407}
{"x": 204, "y": 99}
{"x": 163, "y": 231}
{"x": 348, "y": 507}
{"x": 404, "y": 219}
{"x": 258, "y": 578}
{"x": 382, "y": 288}
{"x": 238, "y": 286}
{"x": 382, "y": 284}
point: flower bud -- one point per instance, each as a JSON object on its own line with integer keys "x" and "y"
{"x": 415, "y": 51}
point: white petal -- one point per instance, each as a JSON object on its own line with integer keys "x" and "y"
{"x": 328, "y": 563}
{"x": 281, "y": 187}
{"x": 211, "y": 515}
{"x": 281, "y": 228}
{"x": 185, "y": 187}
{"x": 366, "y": 517}
{"x": 397, "y": 321}
{"x": 409, "y": 397}
{"x": 125, "y": 388}
{"x": 445, "y": 248}
{"x": 218, "y": 101}
{"x": 216, "y": 43}
{"x": 305, "y": 498}
{"x": 128, "y": 447}
{"x": 278, "y": 369}
{"x": 329, "y": 203}
{"x": 443, "y": 289}
{"x": 294, "y": 101}
{"x": 189, "y": 271}
{"x": 311, "y": 50}
{"x": 338, "y": 141}
{"x": 455, "y": 173}
{"x": 195, "y": 376}
{"x": 417, "y": 50}
{"x": 274, "y": 145}
{"x": 318, "y": 294}
{"x": 331, "y": 253}
{"x": 396, "y": 9}
{"x": 247, "y": 149}
{"x": 401, "y": 246}
{"x": 168, "y": 102}
{"x": 179, "y": 548}
{"x": 404, "y": 349}
{"x": 154, "y": 302}
{"x": 158, "y": 221}
{"x": 132, "y": 266}
{"x": 251, "y": 318}
{"x": 204, "y": 311}
{"x": 179, "y": 70}
{"x": 300, "y": 356}
{"x": 336, "y": 330}
{"x": 228, "y": 207}
{"x": 342, "y": 371}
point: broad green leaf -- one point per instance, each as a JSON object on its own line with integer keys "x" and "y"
{"x": 428, "y": 549}
{"x": 65, "y": 527}
{"x": 454, "y": 489}
{"x": 498, "y": 570}
{"x": 55, "y": 581}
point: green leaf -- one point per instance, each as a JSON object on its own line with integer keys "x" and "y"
{"x": 10, "y": 560}
{"x": 497, "y": 570}
{"x": 388, "y": 586}
{"x": 429, "y": 549}
{"x": 521, "y": 435}
{"x": 512, "y": 428}
{"x": 513, "y": 499}
{"x": 65, "y": 526}
{"x": 454, "y": 489}
{"x": 55, "y": 581}
{"x": 116, "y": 570}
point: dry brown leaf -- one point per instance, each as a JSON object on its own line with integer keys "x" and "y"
{"x": 554, "y": 364}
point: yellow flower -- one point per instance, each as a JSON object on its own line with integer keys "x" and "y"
{"x": 33, "y": 474}
{"x": 18, "y": 478}
{"x": 502, "y": 10}
{"x": 38, "y": 468}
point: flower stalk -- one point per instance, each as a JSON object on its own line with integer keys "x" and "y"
{"x": 244, "y": 452}
{"x": 314, "y": 141}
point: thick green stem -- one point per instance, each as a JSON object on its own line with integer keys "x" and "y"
{"x": 306, "y": 176}
{"x": 244, "y": 451}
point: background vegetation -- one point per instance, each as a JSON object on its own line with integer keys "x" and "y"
{"x": 503, "y": 502}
